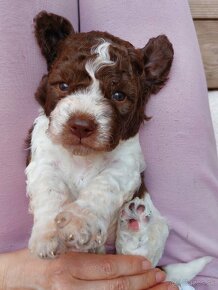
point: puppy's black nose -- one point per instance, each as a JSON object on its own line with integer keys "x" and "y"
{"x": 82, "y": 128}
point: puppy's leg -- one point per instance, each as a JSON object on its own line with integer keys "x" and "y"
{"x": 48, "y": 193}
{"x": 141, "y": 230}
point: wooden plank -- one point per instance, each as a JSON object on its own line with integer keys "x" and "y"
{"x": 207, "y": 32}
{"x": 204, "y": 8}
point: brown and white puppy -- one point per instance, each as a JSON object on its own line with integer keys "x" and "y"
{"x": 86, "y": 162}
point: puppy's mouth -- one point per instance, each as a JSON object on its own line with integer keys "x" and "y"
{"x": 84, "y": 147}
{"x": 79, "y": 146}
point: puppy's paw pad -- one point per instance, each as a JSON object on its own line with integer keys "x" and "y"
{"x": 62, "y": 219}
{"x": 79, "y": 229}
{"x": 133, "y": 225}
{"x": 134, "y": 214}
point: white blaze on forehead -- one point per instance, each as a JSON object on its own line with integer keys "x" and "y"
{"x": 102, "y": 59}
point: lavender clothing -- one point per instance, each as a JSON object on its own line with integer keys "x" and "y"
{"x": 178, "y": 143}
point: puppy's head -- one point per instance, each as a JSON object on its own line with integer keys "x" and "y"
{"x": 97, "y": 84}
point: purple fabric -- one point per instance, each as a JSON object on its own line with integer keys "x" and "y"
{"x": 178, "y": 143}
{"x": 21, "y": 68}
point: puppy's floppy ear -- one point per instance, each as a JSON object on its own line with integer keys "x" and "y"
{"x": 158, "y": 57}
{"x": 50, "y": 29}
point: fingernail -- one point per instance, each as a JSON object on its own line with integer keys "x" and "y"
{"x": 160, "y": 276}
{"x": 146, "y": 265}
{"x": 172, "y": 287}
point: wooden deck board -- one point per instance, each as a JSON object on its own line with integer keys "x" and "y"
{"x": 205, "y": 15}
{"x": 204, "y": 9}
{"x": 207, "y": 32}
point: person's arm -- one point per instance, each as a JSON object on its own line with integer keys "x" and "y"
{"x": 21, "y": 270}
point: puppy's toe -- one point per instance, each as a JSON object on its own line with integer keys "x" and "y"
{"x": 45, "y": 244}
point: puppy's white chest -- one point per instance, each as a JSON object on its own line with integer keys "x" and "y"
{"x": 79, "y": 171}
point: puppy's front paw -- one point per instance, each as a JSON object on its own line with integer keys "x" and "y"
{"x": 141, "y": 230}
{"x": 80, "y": 229}
{"x": 135, "y": 215}
{"x": 45, "y": 243}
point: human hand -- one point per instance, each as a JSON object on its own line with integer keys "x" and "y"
{"x": 78, "y": 271}
{"x": 108, "y": 272}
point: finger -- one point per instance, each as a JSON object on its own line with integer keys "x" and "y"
{"x": 98, "y": 267}
{"x": 137, "y": 282}
{"x": 164, "y": 286}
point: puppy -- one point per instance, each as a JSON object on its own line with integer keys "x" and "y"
{"x": 85, "y": 168}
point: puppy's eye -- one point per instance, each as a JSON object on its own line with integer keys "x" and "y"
{"x": 118, "y": 96}
{"x": 63, "y": 87}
